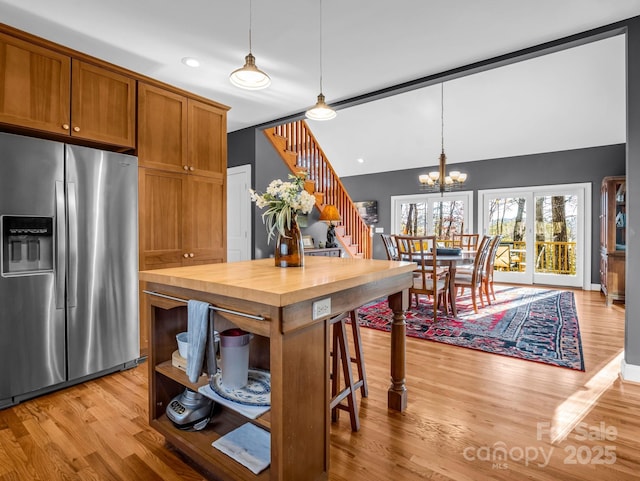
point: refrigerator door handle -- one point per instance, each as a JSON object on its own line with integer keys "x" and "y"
{"x": 72, "y": 200}
{"x": 61, "y": 247}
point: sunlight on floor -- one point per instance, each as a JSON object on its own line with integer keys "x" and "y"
{"x": 534, "y": 294}
{"x": 577, "y": 406}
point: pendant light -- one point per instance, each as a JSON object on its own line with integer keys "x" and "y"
{"x": 320, "y": 111}
{"x": 439, "y": 181}
{"x": 250, "y": 77}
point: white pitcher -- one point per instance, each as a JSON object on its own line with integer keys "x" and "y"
{"x": 234, "y": 358}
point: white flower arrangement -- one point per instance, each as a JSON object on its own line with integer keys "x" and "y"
{"x": 283, "y": 201}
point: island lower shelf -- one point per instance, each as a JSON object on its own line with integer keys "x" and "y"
{"x": 198, "y": 444}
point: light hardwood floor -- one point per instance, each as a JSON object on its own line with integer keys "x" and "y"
{"x": 465, "y": 407}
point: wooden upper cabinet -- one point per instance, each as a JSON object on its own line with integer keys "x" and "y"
{"x": 180, "y": 134}
{"x": 103, "y": 106}
{"x": 207, "y": 139}
{"x": 34, "y": 86}
{"x": 162, "y": 129}
{"x": 48, "y": 91}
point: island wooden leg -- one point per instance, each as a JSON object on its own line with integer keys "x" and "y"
{"x": 397, "y": 394}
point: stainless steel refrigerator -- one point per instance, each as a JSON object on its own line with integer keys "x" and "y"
{"x": 69, "y": 265}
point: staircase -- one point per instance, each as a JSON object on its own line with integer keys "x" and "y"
{"x": 300, "y": 151}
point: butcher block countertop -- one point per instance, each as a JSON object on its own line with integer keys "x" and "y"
{"x": 260, "y": 281}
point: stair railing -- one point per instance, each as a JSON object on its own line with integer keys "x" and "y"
{"x": 311, "y": 157}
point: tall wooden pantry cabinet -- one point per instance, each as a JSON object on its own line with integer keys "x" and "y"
{"x": 182, "y": 152}
{"x": 613, "y": 238}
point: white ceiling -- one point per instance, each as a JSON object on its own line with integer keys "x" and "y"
{"x": 570, "y": 99}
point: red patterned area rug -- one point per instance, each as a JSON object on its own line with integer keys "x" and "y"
{"x": 533, "y": 324}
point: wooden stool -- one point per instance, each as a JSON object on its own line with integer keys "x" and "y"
{"x": 341, "y": 358}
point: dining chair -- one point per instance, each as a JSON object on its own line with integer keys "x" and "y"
{"x": 487, "y": 280}
{"x": 429, "y": 278}
{"x": 473, "y": 278}
{"x": 390, "y": 246}
{"x": 467, "y": 242}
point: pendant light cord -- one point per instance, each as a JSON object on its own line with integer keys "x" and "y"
{"x": 442, "y": 115}
{"x": 250, "y": 21}
{"x": 320, "y": 46}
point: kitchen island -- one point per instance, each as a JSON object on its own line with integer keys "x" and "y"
{"x": 288, "y": 311}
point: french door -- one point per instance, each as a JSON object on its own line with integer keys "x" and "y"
{"x": 546, "y": 233}
{"x": 432, "y": 214}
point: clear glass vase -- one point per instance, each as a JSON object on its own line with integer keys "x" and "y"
{"x": 289, "y": 251}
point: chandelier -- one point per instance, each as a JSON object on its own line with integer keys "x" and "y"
{"x": 439, "y": 181}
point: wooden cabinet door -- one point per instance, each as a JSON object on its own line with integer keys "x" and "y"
{"x": 206, "y": 235}
{"x": 603, "y": 214}
{"x": 162, "y": 219}
{"x": 162, "y": 129}
{"x": 603, "y": 272}
{"x": 207, "y": 139}
{"x": 34, "y": 86}
{"x": 103, "y": 105}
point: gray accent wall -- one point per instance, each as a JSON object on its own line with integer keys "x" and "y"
{"x": 241, "y": 147}
{"x": 566, "y": 167}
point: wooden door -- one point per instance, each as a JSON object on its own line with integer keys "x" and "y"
{"x": 207, "y": 139}
{"x": 103, "y": 105}
{"x": 34, "y": 86}
{"x": 206, "y": 235}
{"x": 162, "y": 129}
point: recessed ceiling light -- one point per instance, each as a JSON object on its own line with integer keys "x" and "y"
{"x": 360, "y": 160}
{"x": 191, "y": 62}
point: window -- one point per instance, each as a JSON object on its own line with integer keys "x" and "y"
{"x": 428, "y": 214}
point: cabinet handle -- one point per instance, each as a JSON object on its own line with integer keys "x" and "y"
{"x": 192, "y": 168}
{"x": 186, "y": 167}
{"x": 76, "y": 129}
{"x": 191, "y": 254}
{"x": 185, "y": 255}
{"x": 65, "y": 126}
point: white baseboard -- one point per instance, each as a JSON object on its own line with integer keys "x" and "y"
{"x": 630, "y": 372}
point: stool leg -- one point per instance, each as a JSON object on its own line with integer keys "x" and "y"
{"x": 335, "y": 372}
{"x": 358, "y": 355}
{"x": 348, "y": 377}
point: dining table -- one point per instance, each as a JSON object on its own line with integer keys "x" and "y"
{"x": 452, "y": 261}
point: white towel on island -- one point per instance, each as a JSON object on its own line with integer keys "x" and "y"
{"x": 249, "y": 445}
{"x": 197, "y": 327}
